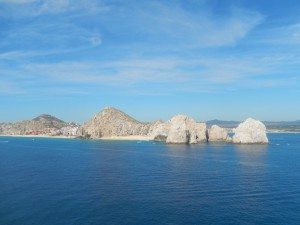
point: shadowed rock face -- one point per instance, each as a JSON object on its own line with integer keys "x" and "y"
{"x": 159, "y": 130}
{"x": 184, "y": 129}
{"x": 112, "y": 122}
{"x": 250, "y": 131}
{"x": 160, "y": 138}
{"x": 217, "y": 133}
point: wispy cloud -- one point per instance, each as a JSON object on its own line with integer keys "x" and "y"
{"x": 154, "y": 23}
{"x": 132, "y": 34}
{"x": 175, "y": 26}
{"x": 288, "y": 35}
{"x": 9, "y": 88}
{"x": 151, "y": 76}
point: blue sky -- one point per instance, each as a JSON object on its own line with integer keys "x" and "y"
{"x": 208, "y": 59}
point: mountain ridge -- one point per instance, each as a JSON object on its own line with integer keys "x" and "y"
{"x": 42, "y": 124}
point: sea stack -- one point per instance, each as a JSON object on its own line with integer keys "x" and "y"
{"x": 217, "y": 133}
{"x": 249, "y": 132}
{"x": 184, "y": 129}
{"x": 159, "y": 130}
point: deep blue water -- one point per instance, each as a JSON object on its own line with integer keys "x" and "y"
{"x": 69, "y": 182}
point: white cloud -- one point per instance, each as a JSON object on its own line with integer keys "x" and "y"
{"x": 155, "y": 26}
{"x": 141, "y": 40}
{"x": 168, "y": 74}
{"x": 164, "y": 75}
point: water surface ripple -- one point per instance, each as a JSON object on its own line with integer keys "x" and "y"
{"x": 62, "y": 181}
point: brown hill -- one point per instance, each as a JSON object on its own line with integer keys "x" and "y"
{"x": 39, "y": 123}
{"x": 112, "y": 122}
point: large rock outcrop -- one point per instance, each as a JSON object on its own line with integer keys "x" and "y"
{"x": 184, "y": 129}
{"x": 159, "y": 130}
{"x": 112, "y": 122}
{"x": 249, "y": 132}
{"x": 217, "y": 133}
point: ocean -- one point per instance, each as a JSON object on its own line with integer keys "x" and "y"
{"x": 47, "y": 181}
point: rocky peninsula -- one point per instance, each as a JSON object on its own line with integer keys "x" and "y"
{"x": 113, "y": 124}
{"x": 180, "y": 129}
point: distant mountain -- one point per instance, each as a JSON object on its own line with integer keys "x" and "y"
{"x": 283, "y": 125}
{"x": 223, "y": 123}
{"x": 39, "y": 123}
{"x": 49, "y": 121}
{"x": 287, "y": 125}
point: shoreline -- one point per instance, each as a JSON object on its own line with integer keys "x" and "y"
{"x": 119, "y": 138}
{"x": 127, "y": 138}
{"x": 37, "y": 136}
{"x": 116, "y": 138}
{"x": 282, "y": 132}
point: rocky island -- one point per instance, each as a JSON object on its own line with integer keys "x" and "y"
{"x": 111, "y": 123}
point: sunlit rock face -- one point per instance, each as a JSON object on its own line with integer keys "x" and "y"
{"x": 249, "y": 132}
{"x": 112, "y": 122}
{"x": 184, "y": 129}
{"x": 217, "y": 133}
{"x": 159, "y": 130}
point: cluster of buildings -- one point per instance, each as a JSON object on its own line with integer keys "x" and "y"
{"x": 64, "y": 131}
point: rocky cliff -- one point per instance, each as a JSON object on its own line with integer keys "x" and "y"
{"x": 159, "y": 130}
{"x": 184, "y": 129}
{"x": 112, "y": 122}
{"x": 216, "y": 133}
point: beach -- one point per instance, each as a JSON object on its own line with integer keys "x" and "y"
{"x": 37, "y": 136}
{"x": 128, "y": 137}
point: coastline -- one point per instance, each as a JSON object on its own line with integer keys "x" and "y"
{"x": 127, "y": 138}
{"x": 37, "y": 136}
{"x": 117, "y": 138}
{"x": 120, "y": 138}
{"x": 282, "y": 132}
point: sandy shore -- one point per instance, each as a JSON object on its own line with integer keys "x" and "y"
{"x": 38, "y": 136}
{"x": 129, "y": 137}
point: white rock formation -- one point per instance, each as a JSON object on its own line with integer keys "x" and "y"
{"x": 217, "y": 133}
{"x": 159, "y": 130}
{"x": 184, "y": 129}
{"x": 112, "y": 122}
{"x": 250, "y": 131}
